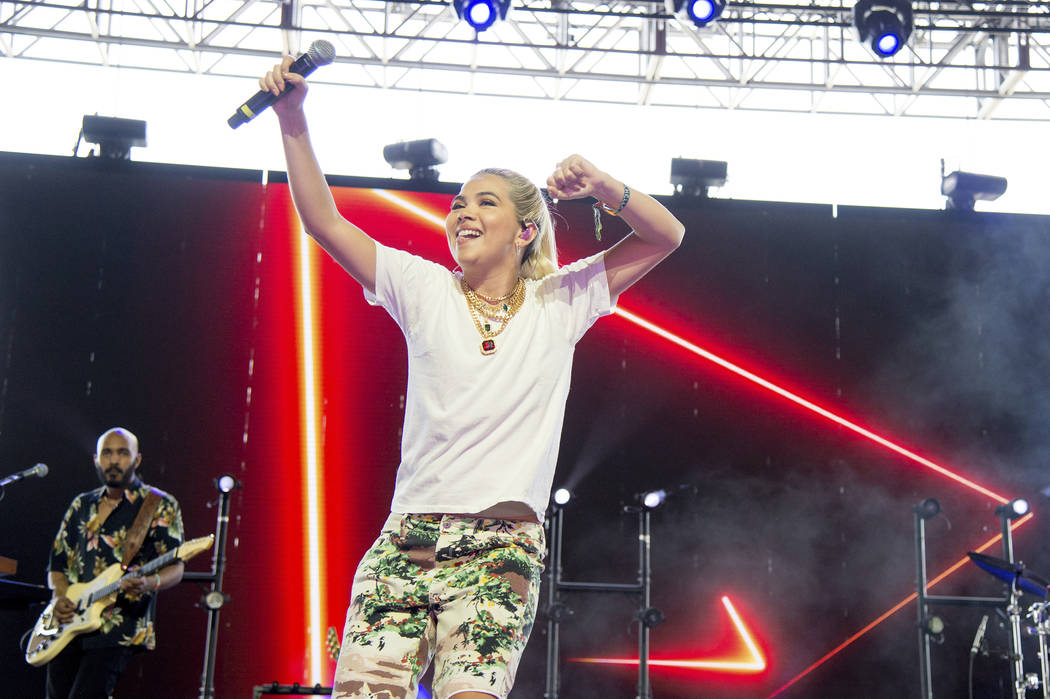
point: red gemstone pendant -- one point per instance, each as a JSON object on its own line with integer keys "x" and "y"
{"x": 488, "y": 346}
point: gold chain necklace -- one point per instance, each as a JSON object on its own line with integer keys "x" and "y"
{"x": 499, "y": 299}
{"x": 492, "y": 313}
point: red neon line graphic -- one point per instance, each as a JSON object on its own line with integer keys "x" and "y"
{"x": 809, "y": 405}
{"x": 755, "y": 662}
{"x": 889, "y": 612}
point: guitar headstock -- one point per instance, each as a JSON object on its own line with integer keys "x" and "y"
{"x": 194, "y": 546}
{"x": 332, "y": 643}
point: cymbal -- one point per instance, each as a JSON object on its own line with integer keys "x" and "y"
{"x": 1008, "y": 572}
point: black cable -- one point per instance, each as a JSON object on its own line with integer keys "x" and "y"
{"x": 970, "y": 674}
{"x": 24, "y": 641}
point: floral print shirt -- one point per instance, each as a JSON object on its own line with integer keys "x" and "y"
{"x": 82, "y": 550}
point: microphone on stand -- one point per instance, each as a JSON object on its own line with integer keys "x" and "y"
{"x": 320, "y": 53}
{"x": 39, "y": 470}
{"x": 980, "y": 635}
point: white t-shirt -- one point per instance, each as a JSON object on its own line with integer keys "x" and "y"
{"x": 483, "y": 429}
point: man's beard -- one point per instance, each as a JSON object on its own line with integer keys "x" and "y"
{"x": 113, "y": 478}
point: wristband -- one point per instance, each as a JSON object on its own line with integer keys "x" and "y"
{"x": 600, "y": 206}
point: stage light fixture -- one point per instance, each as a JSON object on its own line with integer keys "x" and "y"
{"x": 650, "y": 617}
{"x": 933, "y": 626}
{"x": 562, "y": 496}
{"x": 418, "y": 157}
{"x": 226, "y": 483}
{"x": 115, "y": 137}
{"x": 215, "y": 600}
{"x": 965, "y": 188}
{"x": 1018, "y": 507}
{"x": 928, "y": 508}
{"x": 654, "y": 498}
{"x": 885, "y": 25}
{"x": 481, "y": 14}
{"x": 699, "y": 12}
{"x": 692, "y": 178}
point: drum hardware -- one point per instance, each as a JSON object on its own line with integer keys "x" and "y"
{"x": 1021, "y": 581}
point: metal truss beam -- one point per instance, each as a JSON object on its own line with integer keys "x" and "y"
{"x": 964, "y": 59}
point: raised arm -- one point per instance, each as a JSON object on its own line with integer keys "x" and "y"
{"x": 346, "y": 243}
{"x": 656, "y": 233}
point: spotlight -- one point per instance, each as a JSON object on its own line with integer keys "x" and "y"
{"x": 481, "y": 14}
{"x": 562, "y": 496}
{"x": 418, "y": 157}
{"x": 927, "y": 509}
{"x": 933, "y": 626}
{"x": 654, "y": 498}
{"x": 115, "y": 137}
{"x": 650, "y": 617}
{"x": 693, "y": 177}
{"x": 215, "y": 600}
{"x": 885, "y": 25}
{"x": 699, "y": 12}
{"x": 964, "y": 188}
{"x": 1018, "y": 507}
{"x": 226, "y": 483}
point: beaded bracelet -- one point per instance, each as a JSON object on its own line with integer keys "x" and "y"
{"x": 600, "y": 206}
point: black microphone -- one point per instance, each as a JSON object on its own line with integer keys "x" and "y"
{"x": 38, "y": 470}
{"x": 980, "y": 636}
{"x": 320, "y": 53}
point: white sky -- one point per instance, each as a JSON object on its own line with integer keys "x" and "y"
{"x": 882, "y": 161}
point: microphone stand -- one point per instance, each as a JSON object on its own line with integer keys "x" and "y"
{"x": 215, "y": 599}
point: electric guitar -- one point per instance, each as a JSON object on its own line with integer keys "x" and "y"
{"x": 91, "y": 598}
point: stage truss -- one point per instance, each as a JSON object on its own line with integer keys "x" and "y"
{"x": 964, "y": 59}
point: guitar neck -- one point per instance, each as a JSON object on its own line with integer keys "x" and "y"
{"x": 147, "y": 569}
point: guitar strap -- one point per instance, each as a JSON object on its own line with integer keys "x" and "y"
{"x": 137, "y": 534}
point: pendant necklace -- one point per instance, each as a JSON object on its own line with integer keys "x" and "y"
{"x": 487, "y": 313}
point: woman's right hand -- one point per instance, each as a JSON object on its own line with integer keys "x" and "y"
{"x": 275, "y": 81}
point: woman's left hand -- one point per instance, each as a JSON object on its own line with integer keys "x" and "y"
{"x": 575, "y": 178}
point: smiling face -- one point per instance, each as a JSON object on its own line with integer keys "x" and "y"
{"x": 482, "y": 226}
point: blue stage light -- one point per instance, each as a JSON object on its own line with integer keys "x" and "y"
{"x": 888, "y": 44}
{"x": 699, "y": 12}
{"x": 885, "y": 25}
{"x": 481, "y": 14}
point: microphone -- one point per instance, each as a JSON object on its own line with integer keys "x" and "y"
{"x": 980, "y": 636}
{"x": 38, "y": 470}
{"x": 320, "y": 53}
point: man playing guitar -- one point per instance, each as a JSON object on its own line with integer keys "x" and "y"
{"x": 125, "y": 522}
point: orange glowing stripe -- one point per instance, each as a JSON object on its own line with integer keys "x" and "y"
{"x": 313, "y": 502}
{"x": 809, "y": 405}
{"x": 756, "y": 663}
{"x": 885, "y": 615}
{"x": 428, "y": 216}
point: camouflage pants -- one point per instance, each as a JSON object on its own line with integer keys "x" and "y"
{"x": 458, "y": 589}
